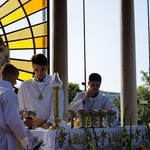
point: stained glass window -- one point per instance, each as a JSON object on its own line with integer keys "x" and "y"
{"x": 24, "y": 29}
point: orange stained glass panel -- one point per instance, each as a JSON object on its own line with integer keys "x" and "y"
{"x": 21, "y": 34}
{"x": 28, "y": 43}
{"x": 22, "y": 65}
{"x": 25, "y": 76}
{"x": 41, "y": 42}
{"x": 35, "y": 5}
{"x": 16, "y": 15}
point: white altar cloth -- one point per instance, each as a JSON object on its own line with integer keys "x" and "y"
{"x": 75, "y": 139}
{"x": 46, "y": 135}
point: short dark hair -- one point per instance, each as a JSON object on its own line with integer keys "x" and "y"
{"x": 8, "y": 69}
{"x": 95, "y": 77}
{"x": 39, "y": 59}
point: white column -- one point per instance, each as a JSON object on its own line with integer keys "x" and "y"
{"x": 59, "y": 44}
{"x": 128, "y": 62}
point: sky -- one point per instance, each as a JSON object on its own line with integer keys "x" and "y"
{"x": 102, "y": 30}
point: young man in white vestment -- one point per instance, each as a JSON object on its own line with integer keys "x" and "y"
{"x": 92, "y": 99}
{"x": 36, "y": 94}
{"x": 11, "y": 125}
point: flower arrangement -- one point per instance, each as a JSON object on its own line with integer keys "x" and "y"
{"x": 90, "y": 144}
{"x": 127, "y": 138}
{"x": 36, "y": 144}
{"x": 142, "y": 146}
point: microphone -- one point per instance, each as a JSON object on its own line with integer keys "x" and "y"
{"x": 83, "y": 83}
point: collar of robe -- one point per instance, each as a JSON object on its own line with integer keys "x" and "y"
{"x": 95, "y": 95}
{"x": 40, "y": 80}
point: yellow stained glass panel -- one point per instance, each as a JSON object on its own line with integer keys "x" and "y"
{"x": 21, "y": 34}
{"x": 16, "y": 15}
{"x": 21, "y": 44}
{"x": 24, "y": 76}
{"x": 9, "y": 7}
{"x": 24, "y": 1}
{"x": 23, "y": 65}
{"x": 40, "y": 29}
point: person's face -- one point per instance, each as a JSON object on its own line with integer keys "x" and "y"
{"x": 13, "y": 79}
{"x": 94, "y": 86}
{"x": 40, "y": 70}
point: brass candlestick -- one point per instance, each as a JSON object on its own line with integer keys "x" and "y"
{"x": 56, "y": 85}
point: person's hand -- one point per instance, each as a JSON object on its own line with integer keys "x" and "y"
{"x": 88, "y": 94}
{"x": 47, "y": 125}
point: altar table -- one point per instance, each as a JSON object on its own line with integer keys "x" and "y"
{"x": 106, "y": 138}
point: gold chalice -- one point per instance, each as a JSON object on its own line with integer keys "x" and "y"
{"x": 81, "y": 114}
{"x": 102, "y": 114}
{"x": 93, "y": 117}
{"x": 28, "y": 117}
{"x": 71, "y": 114}
{"x": 111, "y": 113}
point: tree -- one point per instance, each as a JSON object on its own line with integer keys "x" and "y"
{"x": 73, "y": 88}
{"x": 146, "y": 78}
{"x": 116, "y": 101}
{"x": 144, "y": 94}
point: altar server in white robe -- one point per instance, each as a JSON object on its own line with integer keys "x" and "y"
{"x": 92, "y": 98}
{"x": 11, "y": 125}
{"x": 37, "y": 95}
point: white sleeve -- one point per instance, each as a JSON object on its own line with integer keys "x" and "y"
{"x": 21, "y": 98}
{"x": 77, "y": 103}
{"x": 11, "y": 111}
{"x": 109, "y": 105}
{"x": 24, "y": 142}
